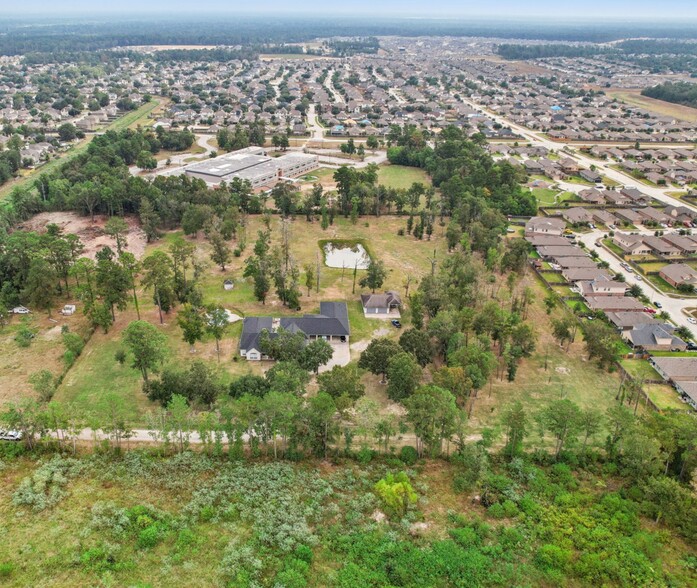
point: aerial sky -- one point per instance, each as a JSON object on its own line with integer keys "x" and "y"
{"x": 673, "y": 10}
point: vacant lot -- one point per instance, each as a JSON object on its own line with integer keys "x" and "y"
{"x": 91, "y": 233}
{"x": 661, "y": 107}
{"x": 399, "y": 176}
{"x": 551, "y": 373}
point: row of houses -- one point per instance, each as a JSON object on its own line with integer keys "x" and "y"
{"x": 599, "y": 289}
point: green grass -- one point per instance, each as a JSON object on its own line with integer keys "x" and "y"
{"x": 613, "y": 247}
{"x": 553, "y": 278}
{"x": 640, "y": 369}
{"x": 664, "y": 396}
{"x": 545, "y": 196}
{"x": 563, "y": 290}
{"x": 578, "y": 180}
{"x": 574, "y": 304}
{"x": 135, "y": 117}
{"x": 97, "y": 373}
{"x": 402, "y": 177}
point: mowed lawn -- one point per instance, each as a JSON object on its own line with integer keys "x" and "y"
{"x": 400, "y": 176}
{"x": 97, "y": 372}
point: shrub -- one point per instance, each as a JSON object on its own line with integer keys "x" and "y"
{"x": 151, "y": 535}
{"x": 120, "y": 356}
{"x": 44, "y": 487}
{"x": 496, "y": 511}
{"x": 408, "y": 455}
{"x": 6, "y": 569}
{"x": 465, "y": 537}
{"x": 68, "y": 358}
{"x": 106, "y": 516}
{"x": 396, "y": 493}
{"x": 364, "y": 456}
{"x": 509, "y": 508}
{"x": 552, "y": 557}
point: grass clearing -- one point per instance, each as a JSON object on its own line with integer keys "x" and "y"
{"x": 551, "y": 373}
{"x": 634, "y": 98}
{"x": 402, "y": 177}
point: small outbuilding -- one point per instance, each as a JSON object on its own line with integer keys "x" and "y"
{"x": 381, "y": 305}
{"x": 228, "y": 285}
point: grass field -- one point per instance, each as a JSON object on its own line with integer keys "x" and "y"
{"x": 399, "y": 176}
{"x": 551, "y": 373}
{"x": 634, "y": 98}
{"x": 545, "y": 196}
{"x": 640, "y": 369}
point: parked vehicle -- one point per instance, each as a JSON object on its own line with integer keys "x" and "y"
{"x": 396, "y": 324}
{"x": 658, "y": 305}
{"x": 10, "y": 435}
{"x": 691, "y": 321}
{"x": 691, "y": 346}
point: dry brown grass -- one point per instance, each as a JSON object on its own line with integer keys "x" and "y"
{"x": 660, "y": 107}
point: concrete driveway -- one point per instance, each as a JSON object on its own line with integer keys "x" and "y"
{"x": 342, "y": 356}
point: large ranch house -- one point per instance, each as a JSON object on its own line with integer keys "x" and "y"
{"x": 331, "y": 324}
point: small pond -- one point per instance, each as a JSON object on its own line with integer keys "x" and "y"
{"x": 341, "y": 254}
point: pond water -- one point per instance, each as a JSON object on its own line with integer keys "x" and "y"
{"x": 342, "y": 255}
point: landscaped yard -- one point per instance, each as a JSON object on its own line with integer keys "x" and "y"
{"x": 664, "y": 397}
{"x": 640, "y": 369}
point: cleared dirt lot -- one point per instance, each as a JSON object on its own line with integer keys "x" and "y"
{"x": 91, "y": 233}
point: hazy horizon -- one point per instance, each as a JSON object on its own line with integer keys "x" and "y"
{"x": 506, "y": 10}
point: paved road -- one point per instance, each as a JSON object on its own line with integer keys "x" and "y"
{"x": 338, "y": 98}
{"x": 603, "y": 167}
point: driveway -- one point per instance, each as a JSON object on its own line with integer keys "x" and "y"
{"x": 342, "y": 356}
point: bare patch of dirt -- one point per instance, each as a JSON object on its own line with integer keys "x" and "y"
{"x": 91, "y": 233}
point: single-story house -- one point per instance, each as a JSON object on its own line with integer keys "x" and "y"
{"x": 577, "y": 215}
{"x": 676, "y": 369}
{"x": 541, "y": 225}
{"x": 584, "y": 273}
{"x": 631, "y": 244}
{"x": 624, "y": 320}
{"x": 553, "y": 251}
{"x": 603, "y": 287}
{"x": 677, "y": 274}
{"x": 629, "y": 216}
{"x": 331, "y": 324}
{"x": 381, "y": 304}
{"x": 661, "y": 247}
{"x": 684, "y": 244}
{"x": 590, "y": 176}
{"x": 651, "y": 337}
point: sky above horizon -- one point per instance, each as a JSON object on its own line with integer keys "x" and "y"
{"x": 676, "y": 10}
